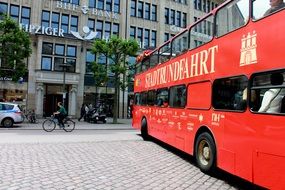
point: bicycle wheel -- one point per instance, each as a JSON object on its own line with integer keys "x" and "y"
{"x": 69, "y": 125}
{"x": 49, "y": 125}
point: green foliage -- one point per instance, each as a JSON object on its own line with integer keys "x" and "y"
{"x": 14, "y": 48}
{"x": 116, "y": 49}
{"x": 100, "y": 74}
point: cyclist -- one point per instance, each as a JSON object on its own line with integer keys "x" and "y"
{"x": 60, "y": 114}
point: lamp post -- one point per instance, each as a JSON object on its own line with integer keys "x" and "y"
{"x": 64, "y": 66}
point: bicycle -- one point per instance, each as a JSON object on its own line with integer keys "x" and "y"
{"x": 50, "y": 124}
{"x": 30, "y": 116}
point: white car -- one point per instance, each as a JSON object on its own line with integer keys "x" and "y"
{"x": 10, "y": 113}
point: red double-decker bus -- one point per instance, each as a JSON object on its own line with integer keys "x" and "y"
{"x": 215, "y": 91}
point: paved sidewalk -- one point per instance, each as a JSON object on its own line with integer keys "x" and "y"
{"x": 122, "y": 124}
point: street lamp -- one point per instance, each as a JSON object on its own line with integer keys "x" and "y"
{"x": 64, "y": 66}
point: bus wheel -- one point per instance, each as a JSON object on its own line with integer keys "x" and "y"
{"x": 205, "y": 152}
{"x": 144, "y": 131}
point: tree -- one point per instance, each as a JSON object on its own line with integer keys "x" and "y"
{"x": 14, "y": 48}
{"x": 100, "y": 75}
{"x": 116, "y": 50}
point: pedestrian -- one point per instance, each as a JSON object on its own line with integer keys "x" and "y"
{"x": 82, "y": 112}
{"x": 275, "y": 5}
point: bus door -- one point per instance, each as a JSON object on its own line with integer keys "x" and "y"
{"x": 198, "y": 105}
{"x": 177, "y": 102}
{"x": 267, "y": 120}
{"x": 235, "y": 138}
{"x": 161, "y": 113}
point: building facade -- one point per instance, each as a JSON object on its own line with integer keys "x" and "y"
{"x": 62, "y": 32}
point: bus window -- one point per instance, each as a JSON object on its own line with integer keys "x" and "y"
{"x": 228, "y": 93}
{"x": 138, "y": 67}
{"x": 151, "y": 97}
{"x": 162, "y": 97}
{"x": 154, "y": 59}
{"x": 164, "y": 53}
{"x": 144, "y": 98}
{"x": 267, "y": 92}
{"x": 202, "y": 32}
{"x": 137, "y": 99}
{"x": 232, "y": 16}
{"x": 262, "y": 9}
{"x": 199, "y": 95}
{"x": 177, "y": 96}
{"x": 180, "y": 43}
{"x": 145, "y": 64}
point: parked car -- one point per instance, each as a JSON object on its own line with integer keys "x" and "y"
{"x": 10, "y": 113}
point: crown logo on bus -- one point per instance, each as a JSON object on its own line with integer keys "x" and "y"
{"x": 248, "y": 49}
{"x": 137, "y": 83}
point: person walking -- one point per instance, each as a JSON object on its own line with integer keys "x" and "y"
{"x": 82, "y": 112}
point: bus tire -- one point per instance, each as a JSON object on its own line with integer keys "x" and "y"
{"x": 144, "y": 130}
{"x": 205, "y": 152}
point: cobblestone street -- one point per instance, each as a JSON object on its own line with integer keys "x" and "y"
{"x": 97, "y": 159}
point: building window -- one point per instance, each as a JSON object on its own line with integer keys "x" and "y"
{"x": 166, "y": 15}
{"x": 116, "y": 6}
{"x": 55, "y": 20}
{"x": 92, "y": 3}
{"x": 147, "y": 11}
{"x": 107, "y": 30}
{"x": 53, "y": 61}
{"x": 25, "y": 17}
{"x": 99, "y": 28}
{"x": 91, "y": 24}
{"x": 153, "y": 13}
{"x": 71, "y": 1}
{"x": 115, "y": 29}
{"x": 184, "y": 20}
{"x": 46, "y": 63}
{"x": 140, "y": 9}
{"x": 14, "y": 12}
{"x": 172, "y": 17}
{"x": 166, "y": 36}
{"x": 100, "y": 4}
{"x": 58, "y": 62}
{"x": 3, "y": 8}
{"x": 74, "y": 23}
{"x": 109, "y": 5}
{"x": 59, "y": 49}
{"x": 146, "y": 38}
{"x": 64, "y": 23}
{"x": 45, "y": 18}
{"x": 90, "y": 58}
{"x": 153, "y": 38}
{"x": 47, "y": 48}
{"x": 178, "y": 19}
{"x": 133, "y": 8}
{"x": 133, "y": 32}
{"x": 140, "y": 36}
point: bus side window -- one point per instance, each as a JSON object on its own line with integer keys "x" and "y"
{"x": 202, "y": 32}
{"x": 232, "y": 16}
{"x": 228, "y": 93}
{"x": 261, "y": 9}
{"x": 177, "y": 97}
{"x": 137, "y": 98}
{"x": 162, "y": 97}
{"x": 270, "y": 91}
